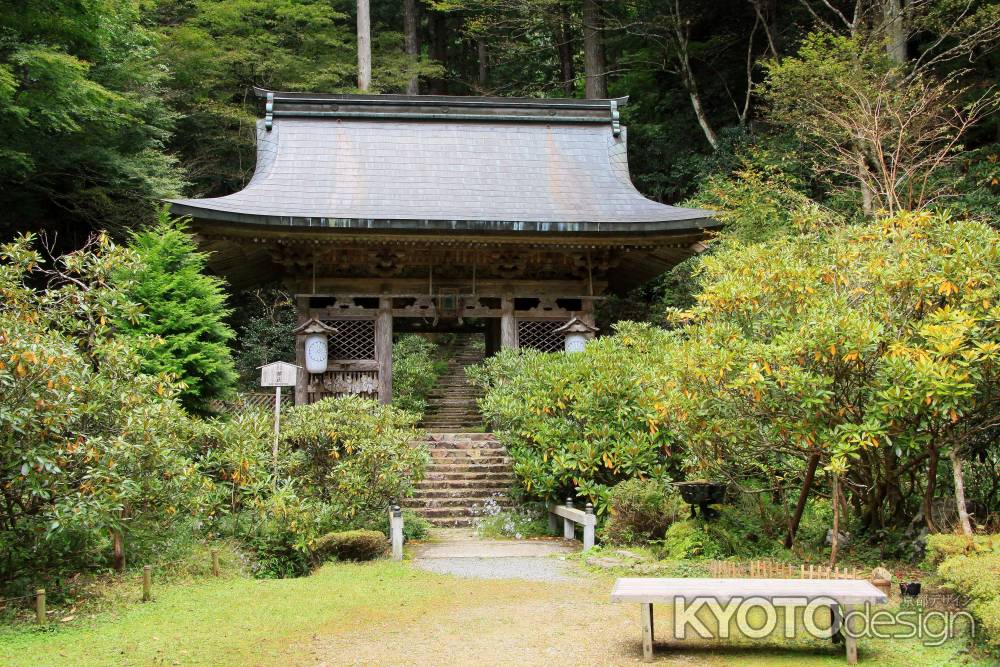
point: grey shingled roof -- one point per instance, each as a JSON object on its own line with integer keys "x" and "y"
{"x": 354, "y": 165}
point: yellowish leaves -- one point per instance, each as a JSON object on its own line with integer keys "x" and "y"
{"x": 853, "y": 355}
{"x": 947, "y": 287}
{"x": 21, "y": 370}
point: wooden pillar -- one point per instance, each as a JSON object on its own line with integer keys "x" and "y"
{"x": 302, "y": 376}
{"x": 383, "y": 349}
{"x": 508, "y": 325}
{"x": 587, "y": 314}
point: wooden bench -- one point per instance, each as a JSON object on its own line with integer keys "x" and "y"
{"x": 572, "y": 516}
{"x": 650, "y": 591}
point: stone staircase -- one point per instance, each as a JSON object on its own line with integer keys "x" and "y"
{"x": 466, "y": 470}
{"x": 451, "y": 405}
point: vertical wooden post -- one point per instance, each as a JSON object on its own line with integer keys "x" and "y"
{"x": 647, "y": 631}
{"x": 147, "y": 583}
{"x": 569, "y": 532}
{"x": 215, "y": 562}
{"x": 508, "y": 325}
{"x": 277, "y": 432}
{"x": 383, "y": 349}
{"x": 40, "y": 606}
{"x": 588, "y": 528}
{"x": 587, "y": 315}
{"x": 850, "y": 641}
{"x": 302, "y": 376}
{"x": 396, "y": 532}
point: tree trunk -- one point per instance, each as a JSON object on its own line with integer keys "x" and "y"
{"x": 800, "y": 506}
{"x": 593, "y": 51}
{"x": 963, "y": 512}
{"x": 687, "y": 75}
{"x": 835, "y": 539}
{"x": 484, "y": 70}
{"x": 895, "y": 30}
{"x": 438, "y": 49}
{"x": 564, "y": 42}
{"x": 117, "y": 551}
{"x": 411, "y": 43}
{"x": 928, "y": 502}
{"x": 364, "y": 46}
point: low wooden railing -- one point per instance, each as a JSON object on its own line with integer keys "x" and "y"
{"x": 572, "y": 516}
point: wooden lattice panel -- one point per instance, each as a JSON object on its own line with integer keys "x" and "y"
{"x": 540, "y": 335}
{"x": 354, "y": 340}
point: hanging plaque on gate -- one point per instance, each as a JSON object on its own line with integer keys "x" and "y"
{"x": 278, "y": 374}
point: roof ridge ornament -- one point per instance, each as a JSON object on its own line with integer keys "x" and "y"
{"x": 616, "y": 126}
{"x": 269, "y": 112}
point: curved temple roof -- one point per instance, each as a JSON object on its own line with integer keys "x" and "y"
{"x": 426, "y": 163}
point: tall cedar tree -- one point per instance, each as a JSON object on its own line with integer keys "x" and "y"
{"x": 184, "y": 313}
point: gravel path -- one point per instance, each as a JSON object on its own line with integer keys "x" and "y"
{"x": 529, "y": 568}
{"x": 460, "y": 553}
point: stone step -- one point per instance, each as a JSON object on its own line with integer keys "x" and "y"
{"x": 446, "y": 513}
{"x": 461, "y": 468}
{"x": 458, "y": 484}
{"x": 503, "y": 475}
{"x": 478, "y": 495}
{"x": 465, "y": 504}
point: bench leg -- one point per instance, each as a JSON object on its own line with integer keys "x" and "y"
{"x": 850, "y": 641}
{"x": 569, "y": 530}
{"x": 553, "y": 524}
{"x": 647, "y": 631}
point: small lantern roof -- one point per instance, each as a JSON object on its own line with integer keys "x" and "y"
{"x": 283, "y": 365}
{"x": 314, "y": 326}
{"x": 576, "y": 325}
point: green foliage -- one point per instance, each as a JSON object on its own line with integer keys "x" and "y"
{"x": 978, "y": 577}
{"x": 263, "y": 320}
{"x": 690, "y": 539}
{"x": 182, "y": 327}
{"x": 415, "y": 527}
{"x": 89, "y": 444}
{"x": 351, "y": 545}
{"x": 942, "y": 547}
{"x": 354, "y": 455}
{"x": 861, "y": 344}
{"x": 577, "y": 424}
{"x": 415, "y": 370}
{"x": 86, "y": 120}
{"x": 640, "y": 511}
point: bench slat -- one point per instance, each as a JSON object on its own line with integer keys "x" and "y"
{"x": 665, "y": 590}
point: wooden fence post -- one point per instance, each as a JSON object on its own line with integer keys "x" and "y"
{"x": 215, "y": 562}
{"x": 40, "y": 606}
{"x": 588, "y": 528}
{"x": 147, "y": 583}
{"x": 553, "y": 521}
{"x": 396, "y": 531}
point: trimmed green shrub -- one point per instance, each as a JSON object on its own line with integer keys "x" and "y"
{"x": 350, "y": 545}
{"x": 577, "y": 424}
{"x": 692, "y": 539}
{"x": 354, "y": 455}
{"x": 978, "y": 577}
{"x": 941, "y": 547}
{"x": 640, "y": 511}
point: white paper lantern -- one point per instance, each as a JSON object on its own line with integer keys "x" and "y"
{"x": 575, "y": 342}
{"x": 317, "y": 353}
{"x": 316, "y": 344}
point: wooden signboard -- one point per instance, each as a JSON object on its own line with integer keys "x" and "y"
{"x": 278, "y": 374}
